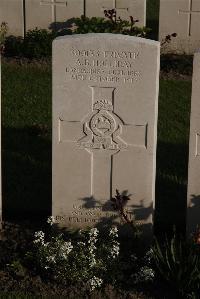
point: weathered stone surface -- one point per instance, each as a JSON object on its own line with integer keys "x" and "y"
{"x": 105, "y": 97}
{"x": 193, "y": 215}
{"x": 11, "y": 12}
{"x": 22, "y": 16}
{"x": 44, "y": 13}
{"x": 124, "y": 8}
{"x": 181, "y": 17}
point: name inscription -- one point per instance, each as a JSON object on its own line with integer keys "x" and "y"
{"x": 103, "y": 66}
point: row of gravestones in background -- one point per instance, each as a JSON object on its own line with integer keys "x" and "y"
{"x": 179, "y": 16}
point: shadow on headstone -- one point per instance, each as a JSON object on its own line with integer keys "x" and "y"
{"x": 110, "y": 216}
{"x": 26, "y": 169}
{"x": 63, "y": 28}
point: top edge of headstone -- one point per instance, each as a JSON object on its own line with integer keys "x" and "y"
{"x": 109, "y": 36}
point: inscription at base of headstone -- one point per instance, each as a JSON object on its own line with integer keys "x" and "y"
{"x": 183, "y": 18}
{"x": 105, "y": 96}
{"x": 193, "y": 210}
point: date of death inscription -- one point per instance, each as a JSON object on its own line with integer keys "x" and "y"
{"x": 103, "y": 66}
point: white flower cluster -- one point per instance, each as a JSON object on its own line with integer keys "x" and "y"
{"x": 91, "y": 242}
{"x": 95, "y": 282}
{"x": 146, "y": 274}
{"x": 115, "y": 244}
{"x": 39, "y": 237}
{"x": 148, "y": 256}
{"x": 113, "y": 232}
{"x": 115, "y": 250}
{"x": 65, "y": 249}
{"x": 93, "y": 234}
{"x": 51, "y": 220}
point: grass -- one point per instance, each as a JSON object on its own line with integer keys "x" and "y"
{"x": 26, "y": 138}
{"x": 26, "y": 119}
{"x": 172, "y": 152}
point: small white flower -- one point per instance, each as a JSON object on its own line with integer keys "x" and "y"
{"x": 145, "y": 274}
{"x": 113, "y": 231}
{"x": 92, "y": 260}
{"x": 45, "y": 244}
{"x": 92, "y": 247}
{"x": 51, "y": 259}
{"x": 66, "y": 248}
{"x": 51, "y": 220}
{"x": 94, "y": 232}
{"x": 115, "y": 249}
{"x": 39, "y": 237}
{"x": 95, "y": 282}
{"x": 148, "y": 256}
{"x": 39, "y": 234}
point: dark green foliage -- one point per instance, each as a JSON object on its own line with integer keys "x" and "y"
{"x": 36, "y": 44}
{"x": 13, "y": 46}
{"x": 112, "y": 24}
{"x": 178, "y": 263}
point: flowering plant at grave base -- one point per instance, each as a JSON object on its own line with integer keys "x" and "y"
{"x": 3, "y": 31}
{"x": 88, "y": 260}
{"x": 119, "y": 204}
{"x": 110, "y": 24}
{"x": 144, "y": 270}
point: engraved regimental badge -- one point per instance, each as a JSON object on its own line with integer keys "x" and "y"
{"x": 102, "y": 128}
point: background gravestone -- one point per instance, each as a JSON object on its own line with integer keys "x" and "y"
{"x": 105, "y": 97}
{"x": 193, "y": 216}
{"x": 49, "y": 12}
{"x": 11, "y": 12}
{"x": 23, "y": 15}
{"x": 124, "y": 9}
{"x": 181, "y": 17}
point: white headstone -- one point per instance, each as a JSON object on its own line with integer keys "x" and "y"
{"x": 193, "y": 215}
{"x": 105, "y": 98}
{"x": 11, "y": 12}
{"x": 42, "y": 13}
{"x": 181, "y": 17}
{"x": 124, "y": 9}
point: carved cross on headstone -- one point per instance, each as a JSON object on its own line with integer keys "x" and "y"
{"x": 114, "y": 6}
{"x": 104, "y": 134}
{"x": 54, "y": 4}
{"x": 189, "y": 12}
